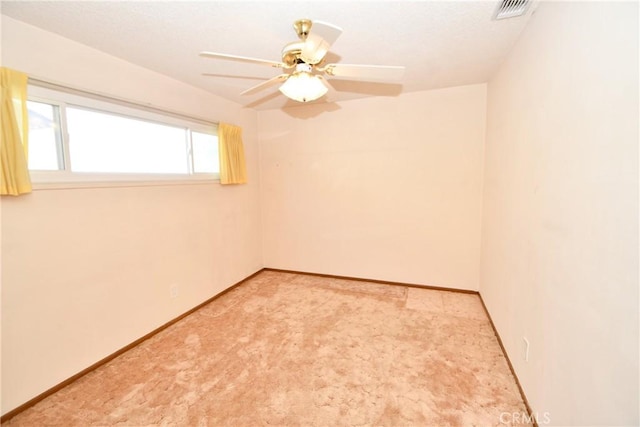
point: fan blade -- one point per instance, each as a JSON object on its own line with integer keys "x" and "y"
{"x": 243, "y": 59}
{"x": 320, "y": 38}
{"x": 382, "y": 73}
{"x": 231, "y": 76}
{"x": 264, "y": 85}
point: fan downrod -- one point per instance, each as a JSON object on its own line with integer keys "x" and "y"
{"x": 291, "y": 51}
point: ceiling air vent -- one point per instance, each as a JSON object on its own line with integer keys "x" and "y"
{"x": 511, "y": 8}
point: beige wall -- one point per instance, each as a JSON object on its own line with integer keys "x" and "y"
{"x": 560, "y": 221}
{"x": 382, "y": 188}
{"x": 87, "y": 271}
{"x": 385, "y": 188}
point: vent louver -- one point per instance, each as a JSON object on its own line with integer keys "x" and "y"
{"x": 511, "y": 8}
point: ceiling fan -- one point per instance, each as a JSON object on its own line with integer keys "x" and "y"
{"x": 304, "y": 64}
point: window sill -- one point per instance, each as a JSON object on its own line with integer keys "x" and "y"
{"x": 84, "y": 181}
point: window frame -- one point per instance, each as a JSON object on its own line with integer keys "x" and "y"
{"x": 62, "y": 154}
{"x": 106, "y": 105}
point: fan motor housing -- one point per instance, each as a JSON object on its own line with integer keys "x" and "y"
{"x": 291, "y": 53}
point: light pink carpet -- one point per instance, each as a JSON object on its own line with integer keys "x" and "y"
{"x": 287, "y": 350}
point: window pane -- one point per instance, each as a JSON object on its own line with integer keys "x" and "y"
{"x": 205, "y": 153}
{"x": 45, "y": 149}
{"x": 101, "y": 142}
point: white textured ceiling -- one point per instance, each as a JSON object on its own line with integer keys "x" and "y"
{"x": 441, "y": 43}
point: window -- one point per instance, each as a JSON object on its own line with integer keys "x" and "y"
{"x": 205, "y": 153}
{"x": 101, "y": 142}
{"x": 78, "y": 138}
{"x": 45, "y": 139}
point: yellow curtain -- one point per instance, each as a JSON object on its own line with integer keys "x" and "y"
{"x": 14, "y": 142}
{"x": 233, "y": 169}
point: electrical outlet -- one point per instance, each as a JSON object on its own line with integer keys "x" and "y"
{"x": 525, "y": 349}
{"x": 174, "y": 291}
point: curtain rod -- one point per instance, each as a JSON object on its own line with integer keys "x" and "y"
{"x": 47, "y": 84}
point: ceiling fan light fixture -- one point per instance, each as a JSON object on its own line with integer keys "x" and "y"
{"x": 307, "y": 56}
{"x": 303, "y": 86}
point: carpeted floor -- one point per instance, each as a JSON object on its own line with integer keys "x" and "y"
{"x": 286, "y": 350}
